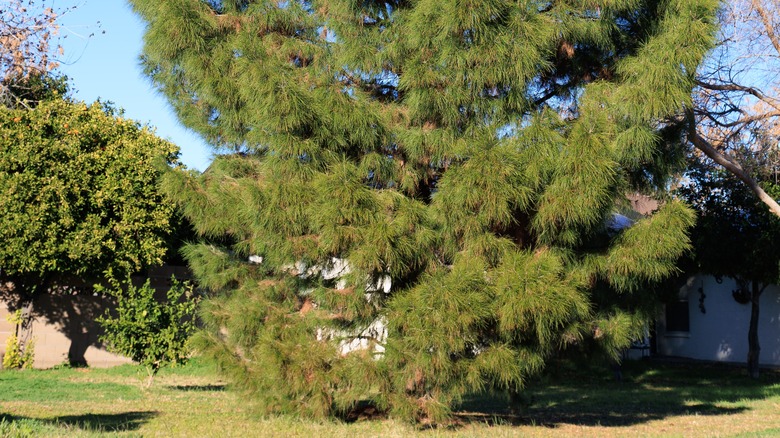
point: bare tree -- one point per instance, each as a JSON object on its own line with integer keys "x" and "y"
{"x": 28, "y": 41}
{"x": 737, "y": 102}
{"x": 25, "y": 38}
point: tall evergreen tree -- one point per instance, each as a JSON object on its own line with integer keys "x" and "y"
{"x": 414, "y": 196}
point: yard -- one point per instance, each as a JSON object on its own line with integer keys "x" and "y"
{"x": 653, "y": 399}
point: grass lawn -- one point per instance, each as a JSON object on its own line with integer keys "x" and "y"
{"x": 653, "y": 399}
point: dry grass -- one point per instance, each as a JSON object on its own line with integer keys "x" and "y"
{"x": 653, "y": 399}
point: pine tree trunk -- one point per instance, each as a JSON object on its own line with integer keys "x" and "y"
{"x": 754, "y": 349}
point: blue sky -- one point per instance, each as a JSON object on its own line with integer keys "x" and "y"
{"x": 106, "y": 66}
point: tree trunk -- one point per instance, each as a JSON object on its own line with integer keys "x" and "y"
{"x": 754, "y": 349}
{"x": 25, "y": 327}
{"x": 25, "y": 291}
{"x": 150, "y": 372}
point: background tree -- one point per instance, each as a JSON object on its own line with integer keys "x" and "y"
{"x": 51, "y": 212}
{"x": 737, "y": 100}
{"x": 736, "y": 114}
{"x": 78, "y": 186}
{"x": 414, "y": 199}
{"x": 736, "y": 236}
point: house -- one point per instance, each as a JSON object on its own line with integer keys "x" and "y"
{"x": 710, "y": 322}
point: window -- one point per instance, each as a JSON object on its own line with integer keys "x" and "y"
{"x": 677, "y": 317}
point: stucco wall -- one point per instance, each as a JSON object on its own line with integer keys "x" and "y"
{"x": 64, "y": 324}
{"x": 719, "y": 333}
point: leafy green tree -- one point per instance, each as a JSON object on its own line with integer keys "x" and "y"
{"x": 414, "y": 196}
{"x": 148, "y": 328}
{"x": 736, "y": 235}
{"x": 78, "y": 186}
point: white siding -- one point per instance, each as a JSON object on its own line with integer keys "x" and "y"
{"x": 720, "y": 332}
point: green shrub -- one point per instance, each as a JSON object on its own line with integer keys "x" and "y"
{"x": 18, "y": 354}
{"x": 151, "y": 331}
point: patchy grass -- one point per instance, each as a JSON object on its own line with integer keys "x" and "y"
{"x": 653, "y": 399}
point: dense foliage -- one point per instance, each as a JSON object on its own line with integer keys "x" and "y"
{"x": 415, "y": 196}
{"x": 78, "y": 186}
{"x": 735, "y": 236}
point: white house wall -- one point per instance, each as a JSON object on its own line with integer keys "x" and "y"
{"x": 720, "y": 332}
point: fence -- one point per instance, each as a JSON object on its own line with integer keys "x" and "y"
{"x": 63, "y": 321}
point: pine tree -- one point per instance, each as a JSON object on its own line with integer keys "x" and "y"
{"x": 413, "y": 197}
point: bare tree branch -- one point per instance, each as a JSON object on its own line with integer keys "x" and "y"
{"x": 735, "y": 121}
{"x": 732, "y": 166}
{"x": 768, "y": 25}
{"x": 733, "y": 86}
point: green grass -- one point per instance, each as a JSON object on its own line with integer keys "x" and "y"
{"x": 60, "y": 386}
{"x": 653, "y": 399}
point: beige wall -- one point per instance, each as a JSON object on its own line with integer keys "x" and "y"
{"x": 64, "y": 324}
{"x": 55, "y": 339}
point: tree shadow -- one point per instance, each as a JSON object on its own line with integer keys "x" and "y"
{"x": 364, "y": 410}
{"x": 71, "y": 306}
{"x": 120, "y": 422}
{"x": 72, "y": 309}
{"x": 647, "y": 392}
{"x": 198, "y": 388}
{"x": 125, "y": 421}
{"x": 75, "y": 318}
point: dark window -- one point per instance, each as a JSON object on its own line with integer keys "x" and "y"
{"x": 677, "y": 318}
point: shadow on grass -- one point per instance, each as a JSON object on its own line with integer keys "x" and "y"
{"x": 121, "y": 422}
{"x": 198, "y": 388}
{"x": 125, "y": 421}
{"x": 649, "y": 391}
